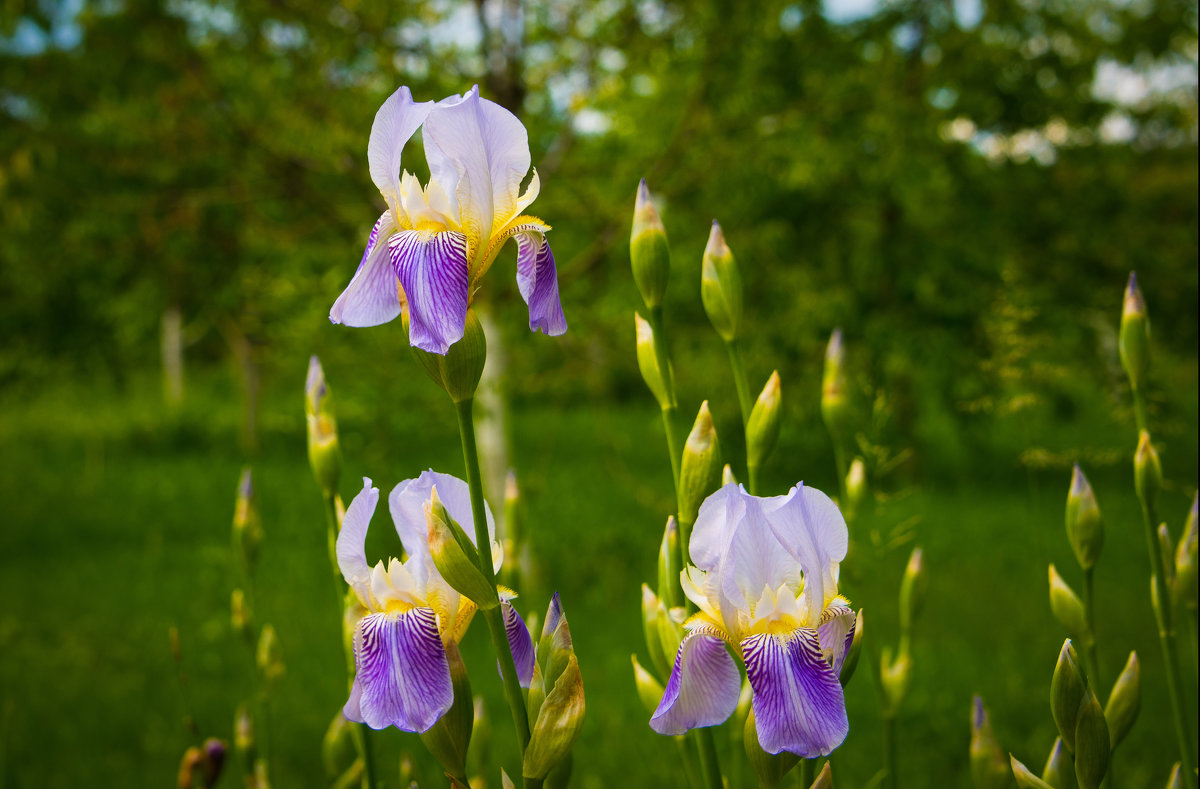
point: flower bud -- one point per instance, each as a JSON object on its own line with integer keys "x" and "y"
{"x": 762, "y": 428}
{"x": 670, "y": 632}
{"x": 1067, "y": 690}
{"x": 191, "y": 769}
{"x": 1085, "y": 529}
{"x": 459, "y": 369}
{"x": 557, "y": 722}
{"x": 449, "y": 738}
{"x": 269, "y": 657}
{"x": 824, "y": 779}
{"x": 652, "y": 611}
{"x": 214, "y": 759}
{"x": 1147, "y": 470}
{"x": 912, "y": 589}
{"x": 769, "y": 768}
{"x": 648, "y": 363}
{"x": 1025, "y": 778}
{"x": 721, "y": 286}
{"x": 649, "y": 689}
{"x": 850, "y": 661}
{"x": 243, "y": 734}
{"x": 894, "y": 676}
{"x": 1091, "y": 743}
{"x": 1124, "y": 701}
{"x": 338, "y": 752}
{"x": 988, "y": 768}
{"x": 1060, "y": 769}
{"x": 670, "y": 562}
{"x": 727, "y": 476}
{"x": 455, "y": 555}
{"x": 261, "y": 779}
{"x": 1175, "y": 781}
{"x": 1134, "y": 340}
{"x": 835, "y": 408}
{"x": 240, "y": 616}
{"x": 856, "y": 487}
{"x": 1185, "y": 562}
{"x": 247, "y": 526}
{"x": 324, "y": 450}
{"x": 1068, "y": 608}
{"x": 700, "y": 468}
{"x": 649, "y": 252}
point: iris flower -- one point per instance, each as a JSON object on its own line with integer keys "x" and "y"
{"x": 765, "y": 583}
{"x": 433, "y": 244}
{"x": 410, "y": 613}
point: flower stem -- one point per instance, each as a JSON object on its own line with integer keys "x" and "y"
{"x": 710, "y": 768}
{"x": 1089, "y": 615}
{"x": 804, "y": 774}
{"x": 888, "y": 719}
{"x": 745, "y": 402}
{"x": 508, "y": 669}
{"x": 662, "y": 358}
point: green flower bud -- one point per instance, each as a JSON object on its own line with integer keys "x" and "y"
{"x": 824, "y": 779}
{"x": 894, "y": 676}
{"x": 727, "y": 476}
{"x": 458, "y": 370}
{"x": 649, "y": 252}
{"x": 1185, "y": 562}
{"x": 721, "y": 286}
{"x": 261, "y": 779}
{"x": 1068, "y": 687}
{"x": 338, "y": 751}
{"x": 912, "y": 589}
{"x": 1147, "y": 470}
{"x": 649, "y": 689}
{"x": 240, "y": 616}
{"x": 1134, "y": 341}
{"x": 1124, "y": 701}
{"x": 1175, "y": 781}
{"x": 762, "y": 429}
{"x": 700, "y": 468}
{"x": 247, "y": 526}
{"x": 850, "y": 662}
{"x": 1068, "y": 608}
{"x": 269, "y": 656}
{"x": 324, "y": 450}
{"x": 988, "y": 768}
{"x": 243, "y": 734}
{"x": 648, "y": 362}
{"x": 769, "y": 768}
{"x": 1091, "y": 743}
{"x": 557, "y": 724}
{"x": 505, "y": 781}
{"x": 856, "y": 487}
{"x": 1085, "y": 529}
{"x": 652, "y": 611}
{"x": 669, "y": 564}
{"x": 835, "y": 407}
{"x": 449, "y": 739}
{"x": 1059, "y": 771}
{"x": 455, "y": 555}
{"x": 670, "y": 632}
{"x": 1025, "y": 778}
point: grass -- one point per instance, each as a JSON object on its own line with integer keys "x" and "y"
{"x": 116, "y": 528}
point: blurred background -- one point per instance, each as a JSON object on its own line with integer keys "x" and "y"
{"x": 963, "y": 186}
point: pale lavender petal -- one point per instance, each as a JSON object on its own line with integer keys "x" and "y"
{"x": 519, "y": 643}
{"x": 798, "y": 701}
{"x": 395, "y": 123}
{"x": 372, "y": 297}
{"x": 715, "y": 523}
{"x": 351, "y": 540}
{"x": 810, "y": 527}
{"x": 836, "y": 632}
{"x": 401, "y": 670}
{"x": 554, "y": 614}
{"x": 753, "y": 561}
{"x": 432, "y": 268}
{"x": 537, "y": 279}
{"x": 703, "y": 688}
{"x": 407, "y": 504}
{"x": 353, "y": 707}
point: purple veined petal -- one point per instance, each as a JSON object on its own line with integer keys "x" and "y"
{"x": 703, "y": 688}
{"x": 715, "y": 523}
{"x": 351, "y": 540}
{"x": 519, "y": 643}
{"x": 401, "y": 670}
{"x": 371, "y": 298}
{"x": 352, "y": 710}
{"x": 836, "y": 631}
{"x": 798, "y": 701}
{"x": 432, "y": 268}
{"x": 395, "y": 123}
{"x": 537, "y": 280}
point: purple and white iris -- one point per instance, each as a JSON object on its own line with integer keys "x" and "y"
{"x": 410, "y": 613}
{"x": 433, "y": 244}
{"x": 765, "y": 581}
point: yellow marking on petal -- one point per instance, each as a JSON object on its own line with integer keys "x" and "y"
{"x": 518, "y": 224}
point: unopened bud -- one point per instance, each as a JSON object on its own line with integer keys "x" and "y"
{"x": 1091, "y": 743}
{"x": 1060, "y": 769}
{"x": 1175, "y": 781}
{"x": 721, "y": 286}
{"x": 191, "y": 769}
{"x": 762, "y": 428}
{"x": 770, "y": 768}
{"x": 269, "y": 657}
{"x": 835, "y": 408}
{"x": 324, "y": 450}
{"x": 856, "y": 487}
{"x": 459, "y": 369}
{"x": 700, "y": 467}
{"x": 240, "y": 616}
{"x": 481, "y": 738}
{"x": 1068, "y": 608}
{"x": 247, "y": 526}
{"x": 1068, "y": 687}
{"x": 912, "y": 589}
{"x": 450, "y": 737}
{"x": 824, "y": 779}
{"x": 560, "y": 717}
{"x": 850, "y": 661}
{"x": 1124, "y": 701}
{"x": 670, "y": 562}
{"x": 1134, "y": 340}
{"x": 727, "y": 476}
{"x": 649, "y": 689}
{"x": 652, "y": 611}
{"x": 338, "y": 752}
{"x": 988, "y": 767}
{"x": 894, "y": 676}
{"x": 649, "y": 252}
{"x": 455, "y": 555}
{"x": 1025, "y": 777}
{"x": 243, "y": 734}
{"x": 1185, "y": 562}
{"x": 1147, "y": 470}
{"x": 648, "y": 363}
{"x": 1085, "y": 529}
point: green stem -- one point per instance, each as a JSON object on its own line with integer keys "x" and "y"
{"x": 839, "y": 457}
{"x": 674, "y": 448}
{"x": 745, "y": 402}
{"x": 1089, "y": 615}
{"x": 687, "y": 753}
{"x": 889, "y": 750}
{"x": 662, "y": 359}
{"x": 710, "y": 768}
{"x": 363, "y": 741}
{"x": 483, "y": 542}
{"x": 1139, "y": 410}
{"x": 1166, "y": 638}
{"x": 805, "y": 773}
{"x": 752, "y": 481}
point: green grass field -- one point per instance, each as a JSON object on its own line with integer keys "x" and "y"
{"x": 116, "y": 527}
